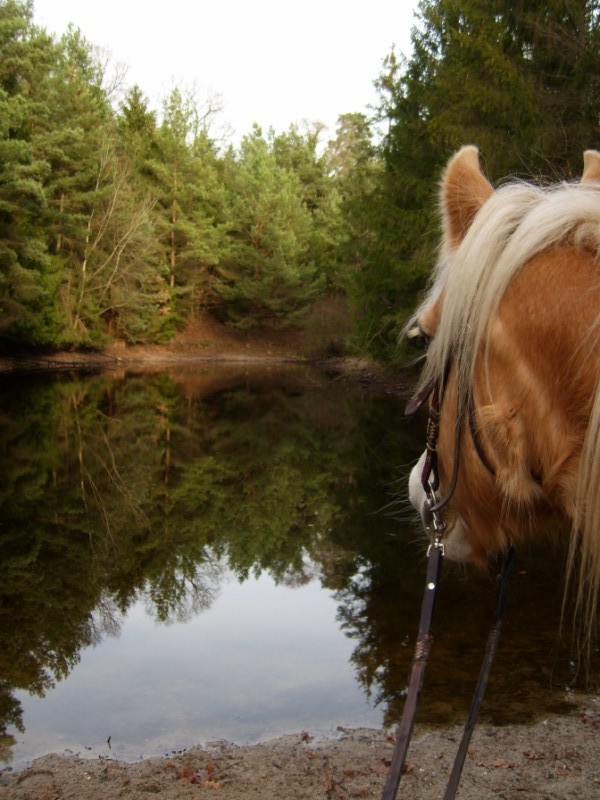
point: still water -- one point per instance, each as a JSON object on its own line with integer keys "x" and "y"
{"x": 203, "y": 554}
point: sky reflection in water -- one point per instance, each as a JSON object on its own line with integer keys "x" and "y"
{"x": 263, "y": 661}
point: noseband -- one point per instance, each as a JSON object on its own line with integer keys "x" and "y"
{"x": 430, "y": 480}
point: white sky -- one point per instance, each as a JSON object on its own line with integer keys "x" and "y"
{"x": 272, "y": 62}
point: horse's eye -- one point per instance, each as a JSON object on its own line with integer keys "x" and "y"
{"x": 419, "y": 337}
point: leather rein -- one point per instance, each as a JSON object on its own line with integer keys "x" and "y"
{"x": 436, "y": 527}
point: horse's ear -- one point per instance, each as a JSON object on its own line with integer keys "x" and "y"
{"x": 591, "y": 166}
{"x": 464, "y": 190}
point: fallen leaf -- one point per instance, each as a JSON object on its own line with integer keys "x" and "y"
{"x": 209, "y": 784}
{"x": 591, "y": 720}
{"x": 533, "y": 756}
{"x": 48, "y": 795}
{"x": 382, "y": 768}
{"x": 329, "y": 782}
{"x": 502, "y": 763}
{"x": 495, "y": 763}
{"x": 333, "y": 788}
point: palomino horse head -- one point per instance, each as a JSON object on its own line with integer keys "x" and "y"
{"x": 513, "y": 325}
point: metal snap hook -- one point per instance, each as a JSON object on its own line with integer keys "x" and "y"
{"x": 434, "y": 524}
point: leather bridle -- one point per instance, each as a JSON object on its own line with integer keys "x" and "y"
{"x": 430, "y": 473}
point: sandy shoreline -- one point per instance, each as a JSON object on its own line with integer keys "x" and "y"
{"x": 556, "y": 758}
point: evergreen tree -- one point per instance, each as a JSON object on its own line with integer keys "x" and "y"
{"x": 98, "y": 221}
{"x": 301, "y": 154}
{"x": 27, "y": 280}
{"x": 189, "y": 219}
{"x": 267, "y": 274}
{"x": 520, "y": 80}
{"x": 136, "y": 120}
{"x": 298, "y": 154}
{"x": 356, "y": 167}
{"x": 70, "y": 139}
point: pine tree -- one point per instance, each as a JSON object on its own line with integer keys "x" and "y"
{"x": 301, "y": 154}
{"x": 27, "y": 280}
{"x": 520, "y": 80}
{"x": 356, "y": 167}
{"x": 184, "y": 170}
{"x": 266, "y": 274}
{"x": 98, "y": 223}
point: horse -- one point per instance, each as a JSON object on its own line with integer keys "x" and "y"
{"x": 511, "y": 323}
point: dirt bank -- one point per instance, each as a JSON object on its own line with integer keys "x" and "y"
{"x": 555, "y": 759}
{"x": 206, "y": 342}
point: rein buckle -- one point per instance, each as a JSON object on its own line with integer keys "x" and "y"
{"x": 436, "y": 545}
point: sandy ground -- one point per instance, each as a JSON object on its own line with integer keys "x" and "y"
{"x": 555, "y": 759}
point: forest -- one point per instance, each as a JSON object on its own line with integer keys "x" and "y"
{"x": 122, "y": 221}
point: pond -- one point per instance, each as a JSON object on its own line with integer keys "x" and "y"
{"x": 226, "y": 553}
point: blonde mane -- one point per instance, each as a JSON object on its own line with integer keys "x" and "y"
{"x": 513, "y": 225}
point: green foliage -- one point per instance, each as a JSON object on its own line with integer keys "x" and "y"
{"x": 521, "y": 81}
{"x": 115, "y": 223}
{"x": 183, "y": 172}
{"x": 373, "y": 280}
{"x": 301, "y": 154}
{"x": 267, "y": 274}
{"x": 27, "y": 279}
{"x": 124, "y": 222}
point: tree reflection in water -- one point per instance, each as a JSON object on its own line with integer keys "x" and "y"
{"x": 119, "y": 488}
